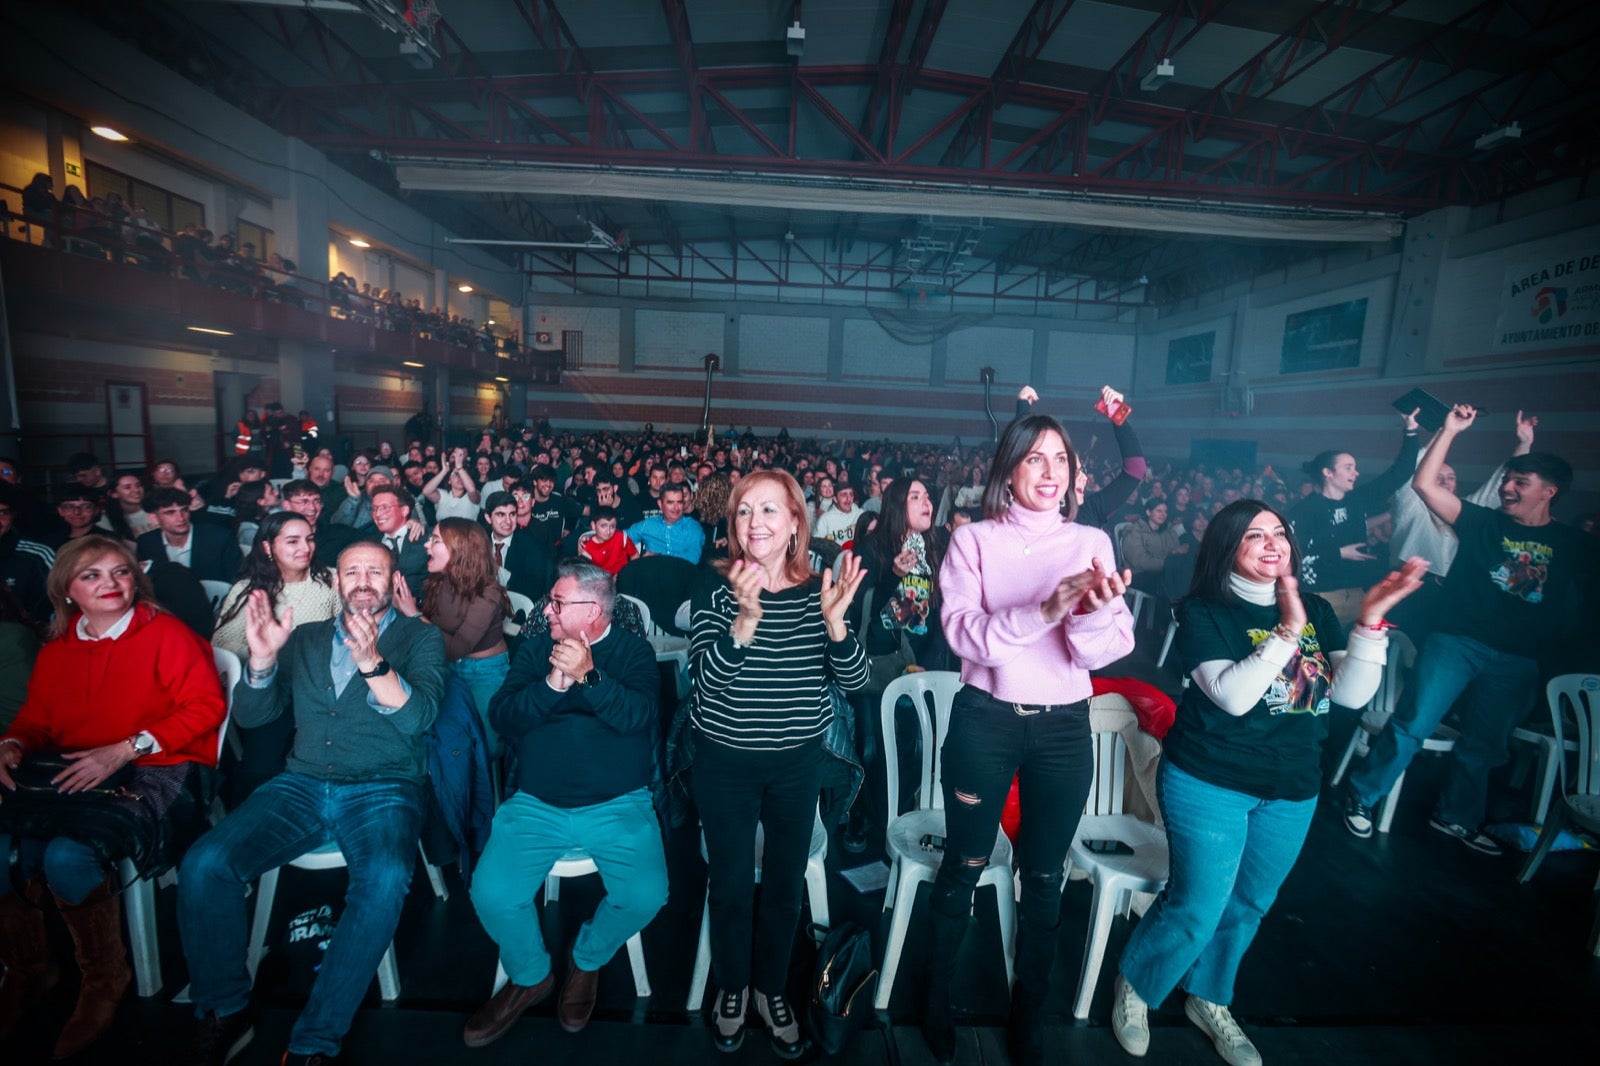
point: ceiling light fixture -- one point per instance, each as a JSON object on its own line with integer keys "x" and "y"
{"x": 213, "y": 332}
{"x": 1495, "y": 138}
{"x": 489, "y": 322}
{"x": 795, "y": 39}
{"x": 108, "y": 133}
{"x": 357, "y": 242}
{"x": 502, "y": 379}
{"x": 1159, "y": 75}
{"x": 463, "y": 287}
{"x": 408, "y": 362}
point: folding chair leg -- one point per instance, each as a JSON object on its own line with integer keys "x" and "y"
{"x": 897, "y": 942}
{"x": 1547, "y": 840}
{"x": 139, "y": 909}
{"x": 641, "y": 977}
{"x": 1102, "y": 909}
{"x": 702, "y": 961}
{"x": 1390, "y": 802}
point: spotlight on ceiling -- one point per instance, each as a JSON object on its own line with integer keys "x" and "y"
{"x": 1495, "y": 138}
{"x": 1159, "y": 75}
{"x": 108, "y": 133}
{"x": 209, "y": 330}
{"x": 1144, "y": 279}
{"x": 357, "y": 242}
{"x": 795, "y": 39}
{"x": 463, "y": 287}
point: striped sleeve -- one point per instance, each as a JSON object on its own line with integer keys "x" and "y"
{"x": 773, "y": 694}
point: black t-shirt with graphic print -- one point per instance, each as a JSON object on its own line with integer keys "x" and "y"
{"x": 1516, "y": 588}
{"x": 1273, "y": 750}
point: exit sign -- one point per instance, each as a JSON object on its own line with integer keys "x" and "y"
{"x": 74, "y": 170}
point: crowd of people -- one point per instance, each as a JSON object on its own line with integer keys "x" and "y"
{"x": 370, "y": 604}
{"x": 110, "y": 227}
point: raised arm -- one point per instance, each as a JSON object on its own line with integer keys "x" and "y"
{"x": 1441, "y": 501}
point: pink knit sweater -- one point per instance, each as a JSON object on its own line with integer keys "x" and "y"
{"x": 995, "y": 576}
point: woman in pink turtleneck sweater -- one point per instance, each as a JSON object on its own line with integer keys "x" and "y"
{"x": 1031, "y": 605}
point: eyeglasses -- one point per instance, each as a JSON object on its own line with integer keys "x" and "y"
{"x": 77, "y": 507}
{"x": 561, "y": 605}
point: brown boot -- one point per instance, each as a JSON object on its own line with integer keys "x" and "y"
{"x": 492, "y": 1020}
{"x": 25, "y": 950}
{"x": 96, "y": 928}
{"x": 577, "y": 996}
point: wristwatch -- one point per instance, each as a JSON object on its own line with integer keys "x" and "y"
{"x": 591, "y": 679}
{"x": 378, "y": 670}
{"x": 142, "y": 744}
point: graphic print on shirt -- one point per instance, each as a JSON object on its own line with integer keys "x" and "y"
{"x": 1302, "y": 686}
{"x": 1524, "y": 570}
{"x": 909, "y": 607}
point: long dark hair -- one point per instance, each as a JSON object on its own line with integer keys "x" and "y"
{"x": 1015, "y": 444}
{"x": 247, "y": 506}
{"x": 889, "y": 536}
{"x": 260, "y": 569}
{"x": 1213, "y": 563}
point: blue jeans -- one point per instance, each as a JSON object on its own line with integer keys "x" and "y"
{"x": 374, "y": 823}
{"x": 70, "y": 869}
{"x": 1500, "y": 689}
{"x": 484, "y": 678}
{"x": 623, "y": 838}
{"x": 1230, "y": 854}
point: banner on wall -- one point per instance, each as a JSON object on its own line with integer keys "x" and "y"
{"x": 1550, "y": 303}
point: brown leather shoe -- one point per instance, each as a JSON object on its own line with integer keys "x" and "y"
{"x": 577, "y": 996}
{"x": 496, "y": 1016}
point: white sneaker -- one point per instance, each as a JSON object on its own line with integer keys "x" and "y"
{"x": 1216, "y": 1021}
{"x": 1130, "y": 1018}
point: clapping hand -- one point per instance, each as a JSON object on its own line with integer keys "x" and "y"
{"x": 836, "y": 595}
{"x": 1381, "y": 598}
{"x": 404, "y": 600}
{"x": 361, "y": 638}
{"x": 572, "y": 658}
{"x": 746, "y": 581}
{"x": 264, "y": 633}
{"x": 1356, "y": 553}
{"x": 1085, "y": 592}
{"x": 1291, "y": 609}
{"x": 351, "y": 487}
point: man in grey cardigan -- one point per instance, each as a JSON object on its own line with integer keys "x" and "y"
{"x": 364, "y": 687}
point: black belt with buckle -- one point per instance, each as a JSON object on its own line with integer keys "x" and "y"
{"x": 1028, "y": 710}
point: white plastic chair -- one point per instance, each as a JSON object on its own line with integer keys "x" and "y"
{"x": 1582, "y": 806}
{"x": 1166, "y": 642}
{"x": 521, "y": 607}
{"x": 1402, "y": 657}
{"x": 1115, "y": 877}
{"x": 139, "y": 898}
{"x": 1552, "y": 747}
{"x": 931, "y": 693}
{"x": 816, "y": 897}
{"x": 216, "y": 592}
{"x": 327, "y": 857}
{"x": 1138, "y": 602}
{"x": 579, "y": 864}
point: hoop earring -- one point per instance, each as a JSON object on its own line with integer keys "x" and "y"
{"x": 794, "y": 543}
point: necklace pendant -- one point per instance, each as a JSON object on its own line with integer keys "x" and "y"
{"x": 1027, "y": 549}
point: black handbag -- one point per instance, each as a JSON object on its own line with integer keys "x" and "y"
{"x": 842, "y": 987}
{"x": 111, "y": 819}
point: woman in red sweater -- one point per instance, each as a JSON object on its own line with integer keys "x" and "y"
{"x": 119, "y": 682}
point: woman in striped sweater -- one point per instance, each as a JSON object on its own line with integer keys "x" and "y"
{"x": 768, "y": 637}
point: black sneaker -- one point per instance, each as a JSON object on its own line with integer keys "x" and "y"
{"x": 1357, "y": 816}
{"x": 1472, "y": 838}
{"x": 218, "y": 1040}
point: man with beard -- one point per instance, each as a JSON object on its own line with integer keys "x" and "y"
{"x": 364, "y": 687}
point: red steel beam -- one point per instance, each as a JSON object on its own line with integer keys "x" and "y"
{"x": 888, "y": 57}
{"x": 1037, "y": 27}
{"x": 677, "y": 14}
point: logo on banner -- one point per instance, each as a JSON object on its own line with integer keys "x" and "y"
{"x": 1549, "y": 304}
